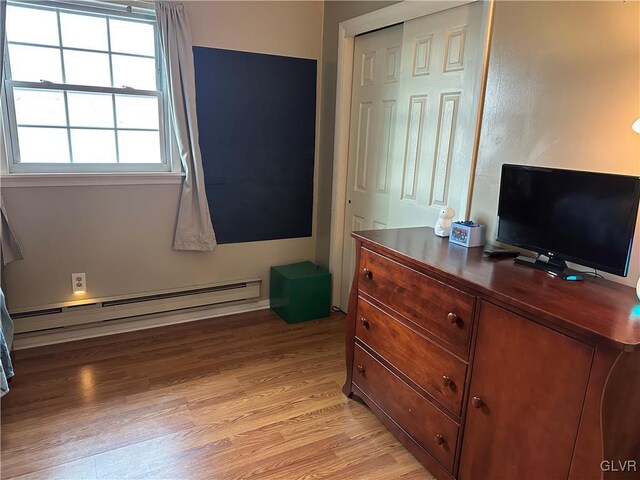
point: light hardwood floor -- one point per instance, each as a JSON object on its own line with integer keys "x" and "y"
{"x": 237, "y": 397}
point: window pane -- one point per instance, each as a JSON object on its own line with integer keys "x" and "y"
{"x": 134, "y": 72}
{"x": 32, "y": 64}
{"x": 43, "y": 145}
{"x": 132, "y": 37}
{"x": 86, "y": 68}
{"x": 39, "y": 107}
{"x": 139, "y": 147}
{"x": 84, "y": 31}
{"x": 137, "y": 112}
{"x": 32, "y": 25}
{"x": 90, "y": 110}
{"x": 93, "y": 146}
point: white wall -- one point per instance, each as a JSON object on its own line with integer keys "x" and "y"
{"x": 563, "y": 89}
{"x": 121, "y": 236}
{"x": 289, "y": 28}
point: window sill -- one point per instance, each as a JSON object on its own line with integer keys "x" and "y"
{"x": 83, "y": 179}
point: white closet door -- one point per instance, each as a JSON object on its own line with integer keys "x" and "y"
{"x": 437, "y": 107}
{"x": 376, "y": 71}
{"x": 415, "y": 95}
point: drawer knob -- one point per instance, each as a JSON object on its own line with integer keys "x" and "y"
{"x": 367, "y": 273}
{"x": 477, "y": 402}
{"x": 446, "y": 381}
{"x": 452, "y": 317}
{"x": 439, "y": 439}
{"x": 364, "y": 322}
{"x": 360, "y": 369}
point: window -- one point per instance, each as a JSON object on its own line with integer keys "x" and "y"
{"x": 83, "y": 89}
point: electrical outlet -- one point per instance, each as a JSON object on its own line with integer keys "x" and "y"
{"x": 79, "y": 282}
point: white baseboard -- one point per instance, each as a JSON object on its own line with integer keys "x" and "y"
{"x": 38, "y": 339}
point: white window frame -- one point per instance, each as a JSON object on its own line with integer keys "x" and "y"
{"x": 13, "y": 165}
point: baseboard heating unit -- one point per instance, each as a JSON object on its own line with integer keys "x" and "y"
{"x": 92, "y": 312}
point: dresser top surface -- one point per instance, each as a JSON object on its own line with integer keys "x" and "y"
{"x": 594, "y": 306}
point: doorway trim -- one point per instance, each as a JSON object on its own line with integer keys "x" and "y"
{"x": 347, "y": 31}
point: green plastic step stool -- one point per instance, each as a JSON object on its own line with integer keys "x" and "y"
{"x": 300, "y": 292}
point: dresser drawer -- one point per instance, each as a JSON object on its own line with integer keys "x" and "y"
{"x": 430, "y": 366}
{"x": 429, "y": 427}
{"x": 444, "y": 311}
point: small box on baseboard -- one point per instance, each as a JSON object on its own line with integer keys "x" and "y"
{"x": 468, "y": 234}
{"x": 300, "y": 292}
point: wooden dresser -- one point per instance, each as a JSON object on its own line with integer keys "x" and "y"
{"x": 489, "y": 370}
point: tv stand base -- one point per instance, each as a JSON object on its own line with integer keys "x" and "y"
{"x": 563, "y": 272}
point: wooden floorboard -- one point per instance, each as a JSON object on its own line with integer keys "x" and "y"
{"x": 239, "y": 397}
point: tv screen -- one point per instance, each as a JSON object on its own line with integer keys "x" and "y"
{"x": 583, "y": 217}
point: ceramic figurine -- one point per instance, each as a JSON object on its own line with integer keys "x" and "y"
{"x": 443, "y": 225}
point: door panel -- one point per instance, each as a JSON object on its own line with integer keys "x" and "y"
{"x": 437, "y": 106}
{"x": 531, "y": 382}
{"x": 376, "y": 71}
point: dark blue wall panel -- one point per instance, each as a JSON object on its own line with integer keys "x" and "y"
{"x": 256, "y": 116}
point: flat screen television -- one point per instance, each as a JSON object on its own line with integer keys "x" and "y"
{"x": 567, "y": 215}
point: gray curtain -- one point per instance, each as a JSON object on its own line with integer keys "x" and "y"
{"x": 9, "y": 247}
{"x": 9, "y": 251}
{"x": 193, "y": 227}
